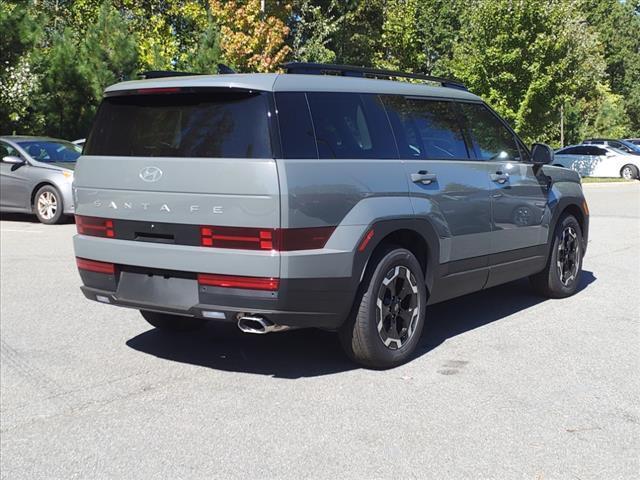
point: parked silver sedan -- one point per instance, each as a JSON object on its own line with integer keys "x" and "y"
{"x": 36, "y": 174}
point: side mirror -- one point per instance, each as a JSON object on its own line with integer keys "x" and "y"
{"x": 13, "y": 160}
{"x": 541, "y": 154}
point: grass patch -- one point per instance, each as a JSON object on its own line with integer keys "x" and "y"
{"x": 604, "y": 180}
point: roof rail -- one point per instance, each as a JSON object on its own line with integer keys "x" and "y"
{"x": 222, "y": 69}
{"x": 351, "y": 71}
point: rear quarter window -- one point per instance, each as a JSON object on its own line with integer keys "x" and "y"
{"x": 194, "y": 124}
{"x": 296, "y": 130}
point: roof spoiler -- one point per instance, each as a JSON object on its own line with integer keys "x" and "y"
{"x": 222, "y": 70}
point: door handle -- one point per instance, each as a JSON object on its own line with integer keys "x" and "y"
{"x": 424, "y": 177}
{"x": 499, "y": 177}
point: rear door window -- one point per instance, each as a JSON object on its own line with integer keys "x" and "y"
{"x": 349, "y": 125}
{"x": 192, "y": 124}
{"x": 491, "y": 139}
{"x": 426, "y": 129}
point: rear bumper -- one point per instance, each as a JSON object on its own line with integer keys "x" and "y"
{"x": 320, "y": 303}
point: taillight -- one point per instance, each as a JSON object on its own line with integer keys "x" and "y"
{"x": 95, "y": 266}
{"x": 239, "y": 237}
{"x": 234, "y": 281}
{"x": 265, "y": 238}
{"x": 95, "y": 226}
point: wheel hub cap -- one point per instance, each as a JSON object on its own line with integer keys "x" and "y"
{"x": 568, "y": 261}
{"x": 47, "y": 205}
{"x": 398, "y": 307}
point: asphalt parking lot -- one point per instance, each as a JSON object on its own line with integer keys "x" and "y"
{"x": 505, "y": 385}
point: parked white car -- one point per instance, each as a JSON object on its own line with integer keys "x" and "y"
{"x": 598, "y": 161}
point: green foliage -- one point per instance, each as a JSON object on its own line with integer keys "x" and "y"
{"x": 206, "y": 53}
{"x": 418, "y": 36}
{"x": 526, "y": 58}
{"x": 311, "y": 31}
{"x": 79, "y": 69}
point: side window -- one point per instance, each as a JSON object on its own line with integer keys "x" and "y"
{"x": 426, "y": 129}
{"x": 491, "y": 139}
{"x": 597, "y": 151}
{"x": 296, "y": 129}
{"x": 569, "y": 151}
{"x": 7, "y": 150}
{"x": 581, "y": 151}
{"x": 349, "y": 125}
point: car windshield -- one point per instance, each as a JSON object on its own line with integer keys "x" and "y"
{"x": 51, "y": 151}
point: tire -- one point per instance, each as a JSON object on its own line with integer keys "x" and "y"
{"x": 173, "y": 323}
{"x": 561, "y": 276}
{"x": 47, "y": 205}
{"x": 400, "y": 317}
{"x": 629, "y": 172}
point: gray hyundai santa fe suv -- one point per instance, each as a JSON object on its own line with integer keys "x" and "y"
{"x": 329, "y": 196}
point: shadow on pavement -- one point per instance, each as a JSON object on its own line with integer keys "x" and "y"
{"x": 309, "y": 353}
{"x": 18, "y": 217}
{"x": 27, "y": 218}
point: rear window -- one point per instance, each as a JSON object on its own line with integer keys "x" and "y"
{"x": 212, "y": 124}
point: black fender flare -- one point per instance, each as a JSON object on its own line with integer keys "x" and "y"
{"x": 382, "y": 229}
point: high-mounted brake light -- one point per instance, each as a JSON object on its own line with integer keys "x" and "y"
{"x": 234, "y": 281}
{"x": 287, "y": 239}
{"x": 95, "y": 226}
{"x": 152, "y": 91}
{"x": 95, "y": 266}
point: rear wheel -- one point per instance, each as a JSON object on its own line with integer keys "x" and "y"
{"x": 629, "y": 172}
{"x": 172, "y": 323}
{"x": 389, "y": 313}
{"x": 561, "y": 276}
{"x": 48, "y": 205}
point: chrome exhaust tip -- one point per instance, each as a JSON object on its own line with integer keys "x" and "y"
{"x": 258, "y": 325}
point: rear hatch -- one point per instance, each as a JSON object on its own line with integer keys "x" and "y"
{"x": 192, "y": 157}
{"x": 164, "y": 162}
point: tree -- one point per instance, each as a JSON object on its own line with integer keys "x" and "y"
{"x": 250, "y": 40}
{"x": 357, "y": 39}
{"x": 206, "y": 55}
{"x": 618, "y": 26}
{"x": 19, "y": 82}
{"x": 311, "y": 30}
{"x": 526, "y": 58}
{"x": 79, "y": 69}
{"x": 418, "y": 35}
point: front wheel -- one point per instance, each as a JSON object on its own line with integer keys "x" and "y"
{"x": 388, "y": 316}
{"x": 48, "y": 205}
{"x": 561, "y": 276}
{"x": 173, "y": 323}
{"x": 629, "y": 172}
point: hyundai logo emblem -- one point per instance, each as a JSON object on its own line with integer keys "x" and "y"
{"x": 150, "y": 174}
